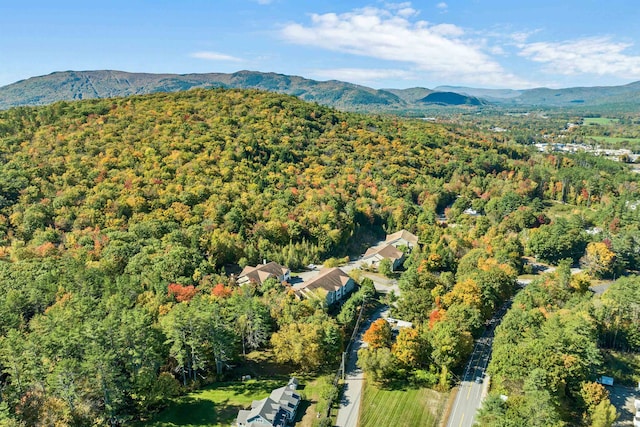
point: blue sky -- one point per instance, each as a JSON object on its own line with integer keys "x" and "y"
{"x": 480, "y": 43}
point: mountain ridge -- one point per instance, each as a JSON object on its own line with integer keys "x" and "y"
{"x": 75, "y": 85}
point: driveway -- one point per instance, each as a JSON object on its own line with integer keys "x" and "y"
{"x": 349, "y": 409}
{"x": 382, "y": 284}
{"x": 623, "y": 399}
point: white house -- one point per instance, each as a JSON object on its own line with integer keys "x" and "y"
{"x": 277, "y": 410}
{"x": 333, "y": 281}
{"x": 402, "y": 238}
{"x": 374, "y": 255}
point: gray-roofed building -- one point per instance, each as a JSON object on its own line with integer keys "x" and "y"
{"x": 374, "y": 255}
{"x": 402, "y": 238}
{"x": 262, "y": 272}
{"x": 277, "y": 410}
{"x": 333, "y": 282}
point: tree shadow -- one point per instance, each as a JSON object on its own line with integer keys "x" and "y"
{"x": 302, "y": 410}
{"x": 190, "y": 411}
{"x": 397, "y": 385}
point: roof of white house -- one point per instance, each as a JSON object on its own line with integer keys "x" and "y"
{"x": 262, "y": 272}
{"x": 329, "y": 279}
{"x": 402, "y": 234}
{"x": 273, "y": 409}
{"x": 385, "y": 251}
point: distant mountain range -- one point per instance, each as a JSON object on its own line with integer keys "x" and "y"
{"x": 74, "y": 85}
{"x": 628, "y": 95}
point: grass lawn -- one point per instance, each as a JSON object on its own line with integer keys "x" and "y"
{"x": 216, "y": 405}
{"x": 403, "y": 407}
{"x": 599, "y": 121}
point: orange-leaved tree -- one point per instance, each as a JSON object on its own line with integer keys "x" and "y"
{"x": 378, "y": 335}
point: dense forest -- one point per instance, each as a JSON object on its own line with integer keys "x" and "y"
{"x": 120, "y": 219}
{"x": 550, "y": 350}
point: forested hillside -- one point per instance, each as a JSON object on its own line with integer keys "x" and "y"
{"x": 119, "y": 218}
{"x": 76, "y": 85}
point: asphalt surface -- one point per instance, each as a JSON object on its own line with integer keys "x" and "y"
{"x": 474, "y": 382}
{"x": 623, "y": 398}
{"x": 349, "y": 408}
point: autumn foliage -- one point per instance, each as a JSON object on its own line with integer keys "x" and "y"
{"x": 181, "y": 293}
{"x": 378, "y": 335}
{"x": 221, "y": 291}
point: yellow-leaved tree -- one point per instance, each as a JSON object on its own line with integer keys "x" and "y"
{"x": 598, "y": 259}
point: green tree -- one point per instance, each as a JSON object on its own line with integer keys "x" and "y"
{"x": 385, "y": 267}
{"x": 557, "y": 241}
{"x": 604, "y": 414}
{"x": 451, "y": 346}
{"x": 308, "y": 345}
{"x": 378, "y": 363}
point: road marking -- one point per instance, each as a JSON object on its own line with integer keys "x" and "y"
{"x": 461, "y": 420}
{"x": 455, "y": 408}
{"x": 469, "y": 392}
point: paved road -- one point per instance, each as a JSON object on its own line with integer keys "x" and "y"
{"x": 474, "y": 383}
{"x": 623, "y": 398}
{"x": 349, "y": 409}
{"x": 383, "y": 284}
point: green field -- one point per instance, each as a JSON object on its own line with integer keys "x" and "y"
{"x": 604, "y": 121}
{"x": 404, "y": 407}
{"x": 216, "y": 405}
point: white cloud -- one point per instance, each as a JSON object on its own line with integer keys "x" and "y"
{"x": 214, "y": 56}
{"x": 263, "y": 2}
{"x": 594, "y": 55}
{"x": 442, "y": 51}
{"x": 522, "y": 36}
{"x": 362, "y": 75}
{"x": 442, "y": 5}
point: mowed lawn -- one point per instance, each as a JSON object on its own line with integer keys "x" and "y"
{"x": 604, "y": 121}
{"x": 216, "y": 405}
{"x": 406, "y": 407}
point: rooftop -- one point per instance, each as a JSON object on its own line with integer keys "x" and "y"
{"x": 402, "y": 234}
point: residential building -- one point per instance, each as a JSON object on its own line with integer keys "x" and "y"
{"x": 262, "y": 272}
{"x": 277, "y": 410}
{"x": 333, "y": 282}
{"x": 402, "y": 238}
{"x": 374, "y": 255}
